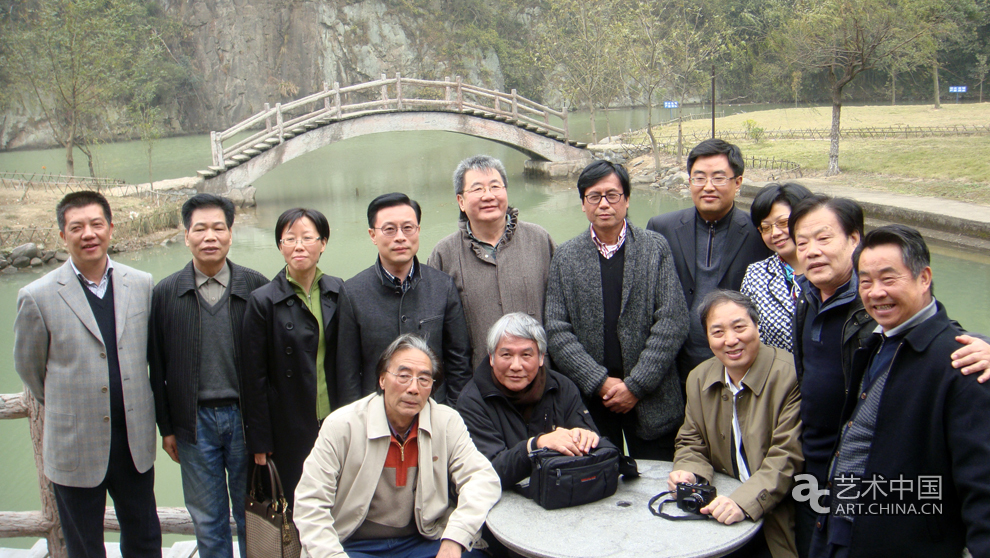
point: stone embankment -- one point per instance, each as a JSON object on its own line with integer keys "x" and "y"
{"x": 29, "y": 255}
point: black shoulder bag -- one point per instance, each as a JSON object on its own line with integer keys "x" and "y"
{"x": 561, "y": 481}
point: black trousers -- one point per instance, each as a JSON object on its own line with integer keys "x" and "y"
{"x": 614, "y": 425}
{"x": 81, "y": 510}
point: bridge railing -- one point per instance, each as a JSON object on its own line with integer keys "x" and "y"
{"x": 273, "y": 125}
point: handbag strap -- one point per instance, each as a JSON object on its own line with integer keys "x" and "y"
{"x": 274, "y": 483}
{"x": 660, "y": 513}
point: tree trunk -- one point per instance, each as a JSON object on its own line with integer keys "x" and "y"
{"x": 151, "y": 180}
{"x": 70, "y": 163}
{"x": 680, "y": 141}
{"x": 653, "y": 138}
{"x": 833, "y": 149}
{"x": 893, "y": 88}
{"x": 938, "y": 102}
{"x": 594, "y": 133}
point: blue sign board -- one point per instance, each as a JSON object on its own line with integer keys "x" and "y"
{"x": 957, "y": 89}
{"x": 670, "y": 104}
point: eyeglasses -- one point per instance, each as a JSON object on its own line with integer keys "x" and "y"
{"x": 391, "y": 230}
{"x": 293, "y": 241}
{"x": 406, "y": 379}
{"x": 595, "y": 198}
{"x": 495, "y": 190}
{"x": 700, "y": 181}
{"x": 781, "y": 224}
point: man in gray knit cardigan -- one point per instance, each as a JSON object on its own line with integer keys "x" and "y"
{"x": 616, "y": 318}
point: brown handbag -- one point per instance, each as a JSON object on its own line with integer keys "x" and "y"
{"x": 270, "y": 532}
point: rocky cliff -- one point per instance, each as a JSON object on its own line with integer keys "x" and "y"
{"x": 245, "y": 53}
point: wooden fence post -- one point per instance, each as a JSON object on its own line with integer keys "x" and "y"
{"x": 460, "y": 95}
{"x": 36, "y": 418}
{"x": 446, "y": 89}
{"x": 567, "y": 131}
{"x": 384, "y": 92}
{"x": 336, "y": 98}
{"x": 515, "y": 105}
{"x": 268, "y": 118}
{"x": 326, "y": 96}
{"x": 218, "y": 149}
{"x": 398, "y": 90}
{"x": 213, "y": 148}
{"x": 278, "y": 122}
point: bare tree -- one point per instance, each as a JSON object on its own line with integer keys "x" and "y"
{"x": 647, "y": 48}
{"x": 578, "y": 50}
{"x": 980, "y": 71}
{"x": 843, "y": 38}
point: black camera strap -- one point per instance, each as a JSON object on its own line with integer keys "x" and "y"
{"x": 660, "y": 513}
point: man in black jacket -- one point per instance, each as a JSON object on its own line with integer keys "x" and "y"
{"x": 194, "y": 340}
{"x": 713, "y": 242}
{"x": 909, "y": 476}
{"x": 830, "y": 324}
{"x": 399, "y": 295}
{"x": 515, "y": 405}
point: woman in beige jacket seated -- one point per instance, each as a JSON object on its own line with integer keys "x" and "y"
{"x": 742, "y": 419}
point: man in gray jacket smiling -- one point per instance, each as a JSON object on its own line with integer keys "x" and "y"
{"x": 499, "y": 263}
{"x": 616, "y": 318}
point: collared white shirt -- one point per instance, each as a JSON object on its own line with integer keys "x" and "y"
{"x": 99, "y": 289}
{"x": 736, "y": 430}
{"x": 609, "y": 250}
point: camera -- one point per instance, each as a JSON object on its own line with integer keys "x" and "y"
{"x": 692, "y": 497}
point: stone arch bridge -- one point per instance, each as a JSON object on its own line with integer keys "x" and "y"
{"x": 279, "y": 134}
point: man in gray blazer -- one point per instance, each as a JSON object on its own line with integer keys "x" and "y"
{"x": 615, "y": 319}
{"x": 80, "y": 346}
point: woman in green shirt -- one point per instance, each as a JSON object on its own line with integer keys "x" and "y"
{"x": 290, "y": 332}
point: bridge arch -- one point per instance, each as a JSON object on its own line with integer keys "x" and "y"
{"x": 280, "y": 134}
{"x": 537, "y": 146}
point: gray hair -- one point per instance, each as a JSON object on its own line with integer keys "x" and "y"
{"x": 410, "y": 341}
{"x": 517, "y": 324}
{"x": 478, "y": 162}
{"x": 719, "y": 297}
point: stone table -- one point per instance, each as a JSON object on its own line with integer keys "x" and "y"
{"x": 619, "y": 526}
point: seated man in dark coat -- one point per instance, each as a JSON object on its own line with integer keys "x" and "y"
{"x": 514, "y": 405}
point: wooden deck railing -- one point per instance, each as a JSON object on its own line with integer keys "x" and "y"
{"x": 45, "y": 523}
{"x": 274, "y": 125}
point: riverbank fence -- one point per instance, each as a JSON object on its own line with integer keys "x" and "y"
{"x": 45, "y": 523}
{"x": 779, "y": 168}
{"x": 59, "y": 183}
{"x": 273, "y": 125}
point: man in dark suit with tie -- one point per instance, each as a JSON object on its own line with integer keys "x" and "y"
{"x": 713, "y": 242}
{"x": 81, "y": 347}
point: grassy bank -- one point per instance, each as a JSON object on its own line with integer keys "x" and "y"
{"x": 956, "y": 167}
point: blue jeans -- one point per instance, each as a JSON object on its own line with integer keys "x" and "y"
{"x": 414, "y": 546}
{"x": 216, "y": 461}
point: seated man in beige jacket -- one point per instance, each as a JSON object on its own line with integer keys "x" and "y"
{"x": 742, "y": 419}
{"x": 376, "y": 482}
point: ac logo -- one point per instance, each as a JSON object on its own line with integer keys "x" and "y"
{"x": 806, "y": 489}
